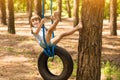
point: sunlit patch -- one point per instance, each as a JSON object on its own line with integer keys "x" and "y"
{"x": 55, "y": 65}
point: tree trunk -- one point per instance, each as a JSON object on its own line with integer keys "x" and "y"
{"x": 76, "y": 10}
{"x": 68, "y": 8}
{"x": 11, "y": 26}
{"x": 90, "y": 41}
{"x": 27, "y": 4}
{"x": 30, "y": 9}
{"x": 3, "y": 12}
{"x": 38, "y": 7}
{"x": 60, "y": 8}
{"x": 113, "y": 17}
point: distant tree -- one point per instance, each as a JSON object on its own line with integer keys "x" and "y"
{"x": 30, "y": 9}
{"x": 0, "y": 8}
{"x": 27, "y": 6}
{"x": 113, "y": 17}
{"x": 76, "y": 10}
{"x": 60, "y": 8}
{"x": 68, "y": 8}
{"x": 38, "y": 7}
{"x": 11, "y": 26}
{"x": 90, "y": 41}
{"x": 3, "y": 12}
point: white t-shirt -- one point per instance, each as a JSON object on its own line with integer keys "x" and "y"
{"x": 39, "y": 36}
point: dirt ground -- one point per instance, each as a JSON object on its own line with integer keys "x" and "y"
{"x": 19, "y": 53}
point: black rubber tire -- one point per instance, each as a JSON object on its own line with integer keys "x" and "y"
{"x": 67, "y": 65}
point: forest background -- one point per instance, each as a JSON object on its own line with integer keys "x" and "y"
{"x": 21, "y": 50}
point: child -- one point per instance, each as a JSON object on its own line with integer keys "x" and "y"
{"x": 36, "y": 23}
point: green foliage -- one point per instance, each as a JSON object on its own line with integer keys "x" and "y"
{"x": 75, "y": 69}
{"x": 118, "y": 7}
{"x": 108, "y": 70}
{"x": 20, "y": 5}
{"x": 107, "y": 9}
{"x": 55, "y": 6}
{"x": 111, "y": 71}
{"x": 48, "y": 4}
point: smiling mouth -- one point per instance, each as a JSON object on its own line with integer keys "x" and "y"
{"x": 35, "y": 24}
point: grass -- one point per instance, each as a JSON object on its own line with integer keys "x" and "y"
{"x": 74, "y": 69}
{"x": 55, "y": 65}
{"x": 111, "y": 72}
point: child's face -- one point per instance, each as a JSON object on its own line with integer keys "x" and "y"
{"x": 35, "y": 22}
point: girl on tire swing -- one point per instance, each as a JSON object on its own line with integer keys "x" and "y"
{"x": 36, "y": 29}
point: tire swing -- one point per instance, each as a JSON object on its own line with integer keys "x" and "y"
{"x": 67, "y": 65}
{"x": 59, "y": 56}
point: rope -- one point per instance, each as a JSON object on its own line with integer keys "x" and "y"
{"x": 49, "y": 51}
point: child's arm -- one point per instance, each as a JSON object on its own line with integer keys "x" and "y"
{"x": 39, "y": 26}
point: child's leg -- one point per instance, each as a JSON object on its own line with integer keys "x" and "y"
{"x": 71, "y": 31}
{"x": 50, "y": 30}
{"x": 53, "y": 27}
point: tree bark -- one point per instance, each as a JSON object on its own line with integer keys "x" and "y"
{"x": 30, "y": 9}
{"x": 38, "y": 7}
{"x": 68, "y": 8}
{"x": 27, "y": 6}
{"x": 76, "y": 10}
{"x": 11, "y": 26}
{"x": 60, "y": 8}
{"x": 113, "y": 17}
{"x": 3, "y": 12}
{"x": 90, "y": 41}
